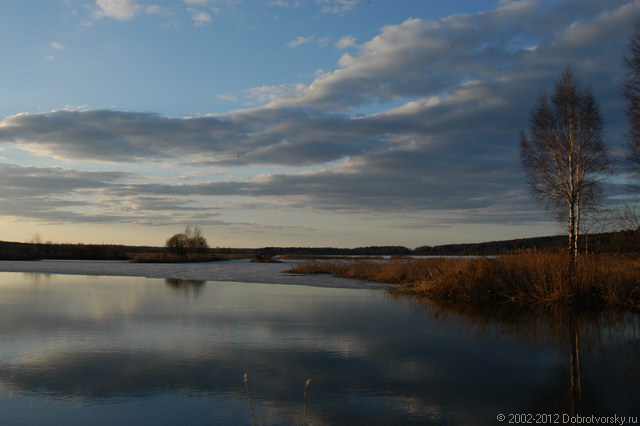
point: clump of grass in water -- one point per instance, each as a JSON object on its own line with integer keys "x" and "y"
{"x": 245, "y": 378}
{"x": 304, "y": 414}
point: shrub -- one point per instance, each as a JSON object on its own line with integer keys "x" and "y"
{"x": 189, "y": 241}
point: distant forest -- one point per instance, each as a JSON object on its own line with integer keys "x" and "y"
{"x": 610, "y": 242}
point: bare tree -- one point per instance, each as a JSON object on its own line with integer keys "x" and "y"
{"x": 177, "y": 244}
{"x": 627, "y": 218}
{"x": 563, "y": 153}
{"x": 196, "y": 242}
{"x": 190, "y": 241}
{"x": 631, "y": 91}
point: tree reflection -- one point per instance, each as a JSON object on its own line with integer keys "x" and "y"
{"x": 187, "y": 286}
{"x": 601, "y": 350}
{"x": 37, "y": 277}
{"x": 575, "y": 378}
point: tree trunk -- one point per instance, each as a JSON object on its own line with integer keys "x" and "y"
{"x": 573, "y": 285}
{"x": 573, "y": 238}
{"x": 579, "y": 216}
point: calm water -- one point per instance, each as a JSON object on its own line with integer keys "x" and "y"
{"x": 78, "y": 350}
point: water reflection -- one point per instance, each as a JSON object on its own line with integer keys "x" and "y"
{"x": 610, "y": 342}
{"x": 37, "y": 278}
{"x": 152, "y": 356}
{"x": 190, "y": 287}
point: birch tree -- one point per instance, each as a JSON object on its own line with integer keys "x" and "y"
{"x": 563, "y": 153}
{"x": 631, "y": 91}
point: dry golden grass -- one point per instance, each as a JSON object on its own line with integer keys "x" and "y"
{"x": 394, "y": 272}
{"x": 525, "y": 278}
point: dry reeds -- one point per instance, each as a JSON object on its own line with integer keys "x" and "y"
{"x": 527, "y": 278}
{"x": 395, "y": 272}
{"x": 304, "y": 414}
{"x": 245, "y": 379}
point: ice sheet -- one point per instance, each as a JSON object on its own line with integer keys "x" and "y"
{"x": 233, "y": 270}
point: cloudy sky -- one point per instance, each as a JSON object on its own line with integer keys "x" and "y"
{"x": 289, "y": 122}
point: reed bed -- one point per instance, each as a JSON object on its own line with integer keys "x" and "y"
{"x": 528, "y": 278}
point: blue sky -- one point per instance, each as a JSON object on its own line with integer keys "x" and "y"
{"x": 288, "y": 122}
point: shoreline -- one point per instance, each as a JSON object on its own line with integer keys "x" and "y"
{"x": 230, "y": 270}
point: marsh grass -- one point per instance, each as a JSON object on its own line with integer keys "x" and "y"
{"x": 525, "y": 278}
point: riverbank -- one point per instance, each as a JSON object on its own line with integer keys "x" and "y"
{"x": 231, "y": 270}
{"x": 533, "y": 279}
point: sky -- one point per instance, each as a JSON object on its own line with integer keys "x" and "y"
{"x": 340, "y": 123}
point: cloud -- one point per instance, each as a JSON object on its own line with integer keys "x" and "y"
{"x": 299, "y": 41}
{"x": 122, "y": 10}
{"x": 57, "y": 46}
{"x": 445, "y": 100}
{"x": 346, "y": 42}
{"x": 60, "y": 195}
{"x": 153, "y": 9}
{"x": 206, "y": 2}
{"x": 258, "y": 136}
{"x": 336, "y": 6}
{"x": 39, "y": 193}
{"x": 264, "y": 94}
{"x": 425, "y": 58}
{"x": 323, "y": 41}
{"x": 199, "y": 18}
{"x": 227, "y": 97}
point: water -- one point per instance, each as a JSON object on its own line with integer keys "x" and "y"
{"x": 78, "y": 350}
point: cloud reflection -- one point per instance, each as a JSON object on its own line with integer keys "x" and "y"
{"x": 372, "y": 359}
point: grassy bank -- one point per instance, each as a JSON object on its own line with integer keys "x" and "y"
{"x": 597, "y": 281}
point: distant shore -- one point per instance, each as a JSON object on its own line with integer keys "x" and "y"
{"x": 231, "y": 270}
